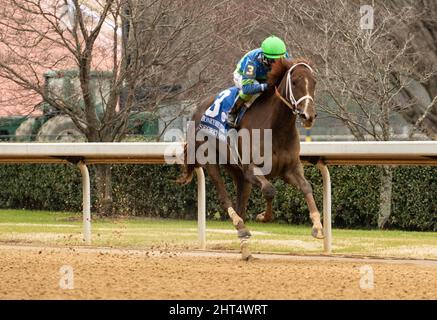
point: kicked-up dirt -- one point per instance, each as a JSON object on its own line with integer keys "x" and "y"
{"x": 28, "y": 272}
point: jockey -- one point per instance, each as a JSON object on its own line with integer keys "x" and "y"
{"x": 250, "y": 76}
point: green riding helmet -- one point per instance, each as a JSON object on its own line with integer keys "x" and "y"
{"x": 273, "y": 48}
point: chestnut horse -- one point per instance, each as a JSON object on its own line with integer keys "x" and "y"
{"x": 290, "y": 95}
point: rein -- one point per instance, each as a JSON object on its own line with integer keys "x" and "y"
{"x": 290, "y": 101}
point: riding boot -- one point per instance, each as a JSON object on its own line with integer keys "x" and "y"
{"x": 233, "y": 113}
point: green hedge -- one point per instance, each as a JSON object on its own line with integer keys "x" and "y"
{"x": 142, "y": 190}
{"x": 40, "y": 187}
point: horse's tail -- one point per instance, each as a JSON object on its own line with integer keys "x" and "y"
{"x": 187, "y": 170}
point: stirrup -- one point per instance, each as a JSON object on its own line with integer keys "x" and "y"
{"x": 232, "y": 122}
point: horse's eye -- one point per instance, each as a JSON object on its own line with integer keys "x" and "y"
{"x": 293, "y": 83}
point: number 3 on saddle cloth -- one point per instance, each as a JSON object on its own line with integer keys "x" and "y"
{"x": 214, "y": 120}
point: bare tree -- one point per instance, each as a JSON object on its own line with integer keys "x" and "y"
{"x": 163, "y": 57}
{"x": 38, "y": 36}
{"x": 422, "y": 30}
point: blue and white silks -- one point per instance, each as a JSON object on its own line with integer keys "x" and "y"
{"x": 214, "y": 120}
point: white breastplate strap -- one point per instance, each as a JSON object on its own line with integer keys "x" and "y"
{"x": 289, "y": 91}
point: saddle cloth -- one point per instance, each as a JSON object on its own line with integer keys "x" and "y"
{"x": 214, "y": 120}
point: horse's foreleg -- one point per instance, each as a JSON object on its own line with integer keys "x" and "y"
{"x": 225, "y": 202}
{"x": 267, "y": 190}
{"x": 295, "y": 176}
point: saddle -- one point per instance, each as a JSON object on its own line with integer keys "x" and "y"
{"x": 215, "y": 118}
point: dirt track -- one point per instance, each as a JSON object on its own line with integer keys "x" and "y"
{"x": 33, "y": 273}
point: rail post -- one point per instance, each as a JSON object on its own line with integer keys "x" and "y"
{"x": 201, "y": 208}
{"x": 86, "y": 202}
{"x": 327, "y": 228}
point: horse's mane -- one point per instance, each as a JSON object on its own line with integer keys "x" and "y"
{"x": 280, "y": 67}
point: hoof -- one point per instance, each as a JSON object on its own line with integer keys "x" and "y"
{"x": 262, "y": 217}
{"x": 183, "y": 180}
{"x": 246, "y": 255}
{"x": 244, "y": 233}
{"x": 317, "y": 233}
{"x": 248, "y": 258}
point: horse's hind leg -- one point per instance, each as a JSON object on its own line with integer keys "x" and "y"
{"x": 225, "y": 202}
{"x": 187, "y": 168}
{"x": 243, "y": 188}
{"x": 187, "y": 174}
{"x": 267, "y": 190}
{"x": 243, "y": 193}
{"x": 295, "y": 176}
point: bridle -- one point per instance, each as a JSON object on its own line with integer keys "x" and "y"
{"x": 289, "y": 100}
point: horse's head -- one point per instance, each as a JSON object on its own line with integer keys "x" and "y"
{"x": 296, "y": 88}
{"x": 300, "y": 92}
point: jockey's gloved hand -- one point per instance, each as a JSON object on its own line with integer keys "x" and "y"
{"x": 264, "y": 86}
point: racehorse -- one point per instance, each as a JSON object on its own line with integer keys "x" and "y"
{"x": 290, "y": 96}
